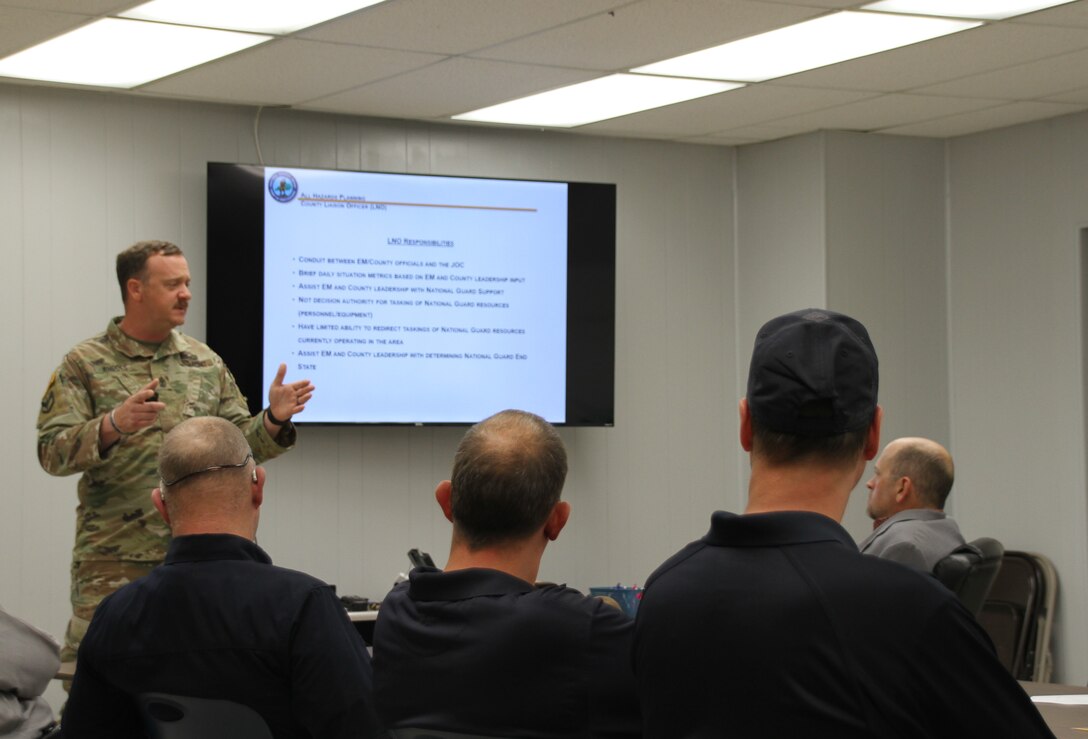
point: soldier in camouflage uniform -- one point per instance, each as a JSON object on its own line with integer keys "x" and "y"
{"x": 111, "y": 402}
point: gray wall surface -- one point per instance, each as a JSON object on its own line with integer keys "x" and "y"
{"x": 1018, "y": 202}
{"x": 854, "y": 223}
{"x": 87, "y": 174}
{"x": 961, "y": 257}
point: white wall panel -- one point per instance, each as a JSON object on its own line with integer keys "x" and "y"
{"x": 854, "y": 223}
{"x": 87, "y": 174}
{"x": 820, "y": 220}
{"x": 886, "y": 266}
{"x": 781, "y": 254}
{"x": 1018, "y": 202}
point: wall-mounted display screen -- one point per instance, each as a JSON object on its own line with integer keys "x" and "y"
{"x": 415, "y": 299}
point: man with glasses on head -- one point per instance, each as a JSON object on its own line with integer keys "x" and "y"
{"x": 217, "y": 620}
{"x": 108, "y": 406}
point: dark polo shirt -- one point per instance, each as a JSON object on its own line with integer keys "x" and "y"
{"x": 773, "y": 625}
{"x": 479, "y": 650}
{"x": 218, "y": 620}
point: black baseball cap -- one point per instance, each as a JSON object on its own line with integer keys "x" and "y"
{"x": 813, "y": 373}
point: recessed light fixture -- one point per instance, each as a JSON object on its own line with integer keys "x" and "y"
{"x": 115, "y": 52}
{"x": 807, "y": 45}
{"x": 981, "y": 9}
{"x": 596, "y": 100}
{"x": 255, "y": 16}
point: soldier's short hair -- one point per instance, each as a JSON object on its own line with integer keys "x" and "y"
{"x": 507, "y": 476}
{"x": 132, "y": 262}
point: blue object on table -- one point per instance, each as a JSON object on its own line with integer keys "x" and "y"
{"x": 628, "y": 598}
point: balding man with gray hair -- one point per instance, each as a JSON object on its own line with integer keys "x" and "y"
{"x": 911, "y": 482}
{"x": 217, "y": 620}
{"x": 480, "y": 647}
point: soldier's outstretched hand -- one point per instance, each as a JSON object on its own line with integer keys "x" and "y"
{"x": 285, "y": 401}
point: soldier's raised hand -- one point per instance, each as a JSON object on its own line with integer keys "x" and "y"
{"x": 138, "y": 410}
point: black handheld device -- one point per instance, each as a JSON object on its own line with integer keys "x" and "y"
{"x": 420, "y": 559}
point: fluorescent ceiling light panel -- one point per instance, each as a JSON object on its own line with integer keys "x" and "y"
{"x": 816, "y": 43}
{"x": 596, "y": 100}
{"x": 256, "y": 16}
{"x": 981, "y": 9}
{"x": 123, "y": 53}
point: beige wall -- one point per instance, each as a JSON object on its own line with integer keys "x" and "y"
{"x": 1018, "y": 202}
{"x": 961, "y": 257}
{"x": 855, "y": 223}
{"x": 87, "y": 174}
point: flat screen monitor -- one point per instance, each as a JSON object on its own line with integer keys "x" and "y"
{"x": 415, "y": 299}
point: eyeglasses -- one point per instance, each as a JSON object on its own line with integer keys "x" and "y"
{"x": 213, "y": 468}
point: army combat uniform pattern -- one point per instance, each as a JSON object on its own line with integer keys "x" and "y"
{"x": 119, "y": 534}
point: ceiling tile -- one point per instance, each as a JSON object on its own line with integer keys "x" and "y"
{"x": 1079, "y": 96}
{"x": 829, "y": 4}
{"x": 77, "y": 7}
{"x": 743, "y": 107}
{"x": 444, "y": 27}
{"x": 949, "y": 57}
{"x": 289, "y": 71}
{"x": 21, "y": 28}
{"x": 885, "y": 111}
{"x": 761, "y": 133}
{"x": 722, "y": 140}
{"x": 1022, "y": 82}
{"x": 448, "y": 88}
{"x": 982, "y": 120}
{"x": 648, "y": 31}
{"x": 391, "y": 60}
{"x": 1072, "y": 14}
{"x": 660, "y": 136}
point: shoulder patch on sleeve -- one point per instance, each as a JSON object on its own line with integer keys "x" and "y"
{"x": 48, "y": 399}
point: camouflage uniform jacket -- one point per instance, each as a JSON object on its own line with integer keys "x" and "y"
{"x": 115, "y": 519}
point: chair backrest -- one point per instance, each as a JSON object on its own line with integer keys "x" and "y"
{"x": 433, "y": 734}
{"x": 184, "y": 717}
{"x": 970, "y": 571}
{"x": 1018, "y": 614}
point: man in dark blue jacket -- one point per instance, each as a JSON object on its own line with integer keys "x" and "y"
{"x": 217, "y": 619}
{"x": 478, "y": 647}
{"x": 773, "y": 624}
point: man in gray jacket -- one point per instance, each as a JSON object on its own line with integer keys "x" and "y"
{"x": 907, "y": 494}
{"x": 29, "y": 659}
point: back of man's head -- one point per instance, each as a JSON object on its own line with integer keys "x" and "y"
{"x": 206, "y": 471}
{"x": 812, "y": 389}
{"x": 929, "y": 467}
{"x": 507, "y": 477}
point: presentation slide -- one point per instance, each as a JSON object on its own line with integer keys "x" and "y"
{"x": 416, "y": 298}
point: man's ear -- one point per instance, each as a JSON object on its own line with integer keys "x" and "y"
{"x": 444, "y": 495}
{"x": 134, "y": 289}
{"x": 745, "y": 425}
{"x": 557, "y": 520}
{"x": 256, "y": 486}
{"x": 872, "y": 441}
{"x": 160, "y": 505}
{"x": 905, "y": 489}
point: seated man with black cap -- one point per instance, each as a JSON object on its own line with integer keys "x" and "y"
{"x": 773, "y": 624}
{"x": 478, "y": 648}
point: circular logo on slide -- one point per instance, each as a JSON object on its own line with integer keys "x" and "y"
{"x": 283, "y": 187}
